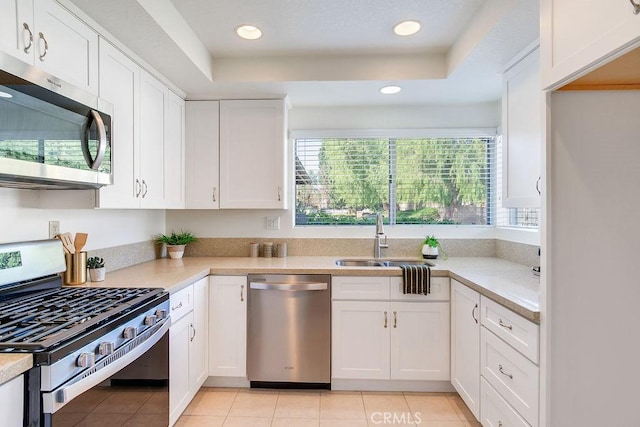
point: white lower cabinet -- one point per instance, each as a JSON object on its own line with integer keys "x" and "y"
{"x": 187, "y": 346}
{"x": 496, "y": 412}
{"x": 388, "y": 339}
{"x": 228, "y": 326}
{"x": 12, "y": 402}
{"x": 465, "y": 345}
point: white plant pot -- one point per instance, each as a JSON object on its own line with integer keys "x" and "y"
{"x": 429, "y": 252}
{"x": 97, "y": 274}
{"x": 175, "y": 251}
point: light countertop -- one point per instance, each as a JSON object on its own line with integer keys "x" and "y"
{"x": 510, "y": 284}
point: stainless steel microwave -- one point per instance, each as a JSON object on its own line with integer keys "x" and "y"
{"x": 52, "y": 135}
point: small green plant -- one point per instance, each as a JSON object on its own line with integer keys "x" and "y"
{"x": 181, "y": 238}
{"x": 95, "y": 262}
{"x": 431, "y": 241}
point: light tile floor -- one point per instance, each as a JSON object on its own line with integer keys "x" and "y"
{"x": 302, "y": 408}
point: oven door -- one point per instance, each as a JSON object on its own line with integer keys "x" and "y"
{"x": 128, "y": 389}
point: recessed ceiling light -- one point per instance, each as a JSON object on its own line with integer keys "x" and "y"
{"x": 390, "y": 90}
{"x": 407, "y": 28}
{"x": 5, "y": 95}
{"x": 249, "y": 32}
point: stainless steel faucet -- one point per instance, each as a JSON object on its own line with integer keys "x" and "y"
{"x": 378, "y": 244}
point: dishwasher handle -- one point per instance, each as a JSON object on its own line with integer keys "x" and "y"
{"x": 304, "y": 286}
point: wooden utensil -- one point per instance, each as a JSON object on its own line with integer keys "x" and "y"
{"x": 67, "y": 242}
{"x": 80, "y": 241}
{"x": 64, "y": 248}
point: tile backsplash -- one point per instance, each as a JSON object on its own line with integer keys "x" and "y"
{"x": 124, "y": 256}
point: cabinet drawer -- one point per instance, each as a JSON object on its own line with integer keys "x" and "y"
{"x": 439, "y": 290}
{"x": 495, "y": 411}
{"x": 514, "y": 376}
{"x": 181, "y": 303}
{"x": 359, "y": 288}
{"x": 520, "y": 333}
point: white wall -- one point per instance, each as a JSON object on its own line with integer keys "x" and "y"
{"x": 592, "y": 289}
{"x": 25, "y": 215}
{"x": 236, "y": 223}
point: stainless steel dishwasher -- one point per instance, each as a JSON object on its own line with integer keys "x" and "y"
{"x": 289, "y": 331}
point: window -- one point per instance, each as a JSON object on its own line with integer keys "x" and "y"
{"x": 432, "y": 180}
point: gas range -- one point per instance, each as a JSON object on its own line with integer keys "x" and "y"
{"x": 79, "y": 337}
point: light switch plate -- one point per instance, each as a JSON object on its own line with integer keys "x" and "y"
{"x": 273, "y": 223}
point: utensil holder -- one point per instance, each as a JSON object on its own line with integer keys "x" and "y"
{"x": 76, "y": 273}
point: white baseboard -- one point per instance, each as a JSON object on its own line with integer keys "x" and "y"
{"x": 392, "y": 385}
{"x": 226, "y": 382}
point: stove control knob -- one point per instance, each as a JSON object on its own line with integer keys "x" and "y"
{"x": 105, "y": 348}
{"x": 130, "y": 332}
{"x": 161, "y": 313}
{"x": 150, "y": 320}
{"x": 86, "y": 360}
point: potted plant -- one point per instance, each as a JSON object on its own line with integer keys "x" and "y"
{"x": 430, "y": 247}
{"x": 175, "y": 242}
{"x": 96, "y": 269}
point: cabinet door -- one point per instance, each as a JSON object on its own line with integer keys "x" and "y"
{"x": 15, "y": 39}
{"x": 465, "y": 345}
{"x": 228, "y": 326}
{"x": 120, "y": 85}
{"x": 360, "y": 339}
{"x": 12, "y": 402}
{"x": 576, "y": 36}
{"x": 153, "y": 102}
{"x": 64, "y": 46}
{"x": 419, "y": 340}
{"x": 522, "y": 133}
{"x": 174, "y": 153}
{"x": 203, "y": 158}
{"x": 198, "y": 350}
{"x": 179, "y": 392}
{"x": 252, "y": 154}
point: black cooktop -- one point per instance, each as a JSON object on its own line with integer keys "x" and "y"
{"x": 41, "y": 321}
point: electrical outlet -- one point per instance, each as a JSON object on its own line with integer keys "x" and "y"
{"x": 54, "y": 228}
{"x": 273, "y": 223}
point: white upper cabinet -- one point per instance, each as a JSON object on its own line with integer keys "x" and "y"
{"x": 148, "y": 136}
{"x": 174, "y": 154}
{"x": 120, "y": 85}
{"x": 16, "y": 29}
{"x": 522, "y": 133}
{"x": 202, "y": 148}
{"x": 577, "y": 35}
{"x": 253, "y": 154}
{"x": 44, "y": 34}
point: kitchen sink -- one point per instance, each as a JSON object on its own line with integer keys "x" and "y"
{"x": 380, "y": 262}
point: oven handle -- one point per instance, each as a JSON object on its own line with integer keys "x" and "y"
{"x": 56, "y": 399}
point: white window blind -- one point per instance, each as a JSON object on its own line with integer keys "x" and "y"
{"x": 443, "y": 180}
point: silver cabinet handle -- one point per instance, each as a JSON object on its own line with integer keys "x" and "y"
{"x": 138, "y": 188}
{"x": 145, "y": 189}
{"x": 242, "y": 293}
{"x": 395, "y": 319}
{"x": 504, "y": 373}
{"x": 177, "y": 306}
{"x": 538, "y": 186}
{"x": 504, "y": 325}
{"x": 94, "y": 164}
{"x": 385, "y": 319}
{"x": 214, "y": 194}
{"x": 636, "y": 7}
{"x": 194, "y": 332}
{"x": 279, "y": 195}
{"x": 28, "y": 30}
{"x": 46, "y": 47}
{"x": 473, "y": 313}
